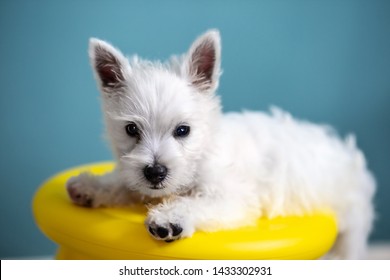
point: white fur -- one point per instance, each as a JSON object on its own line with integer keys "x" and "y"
{"x": 232, "y": 168}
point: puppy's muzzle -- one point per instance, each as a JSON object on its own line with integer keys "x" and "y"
{"x": 156, "y": 173}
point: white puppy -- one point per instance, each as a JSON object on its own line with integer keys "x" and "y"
{"x": 212, "y": 170}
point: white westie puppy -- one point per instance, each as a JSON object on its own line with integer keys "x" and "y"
{"x": 212, "y": 170}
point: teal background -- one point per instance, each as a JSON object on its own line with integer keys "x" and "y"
{"x": 326, "y": 61}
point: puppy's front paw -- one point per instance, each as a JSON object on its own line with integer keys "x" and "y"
{"x": 168, "y": 232}
{"x": 165, "y": 223}
{"x": 81, "y": 190}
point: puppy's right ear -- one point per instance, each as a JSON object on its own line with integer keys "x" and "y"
{"x": 109, "y": 65}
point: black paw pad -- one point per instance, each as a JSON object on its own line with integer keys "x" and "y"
{"x": 176, "y": 229}
{"x": 162, "y": 232}
{"x": 151, "y": 230}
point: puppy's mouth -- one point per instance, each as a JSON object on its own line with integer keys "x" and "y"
{"x": 157, "y": 187}
{"x": 157, "y": 190}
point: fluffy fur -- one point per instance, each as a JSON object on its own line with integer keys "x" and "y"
{"x": 231, "y": 168}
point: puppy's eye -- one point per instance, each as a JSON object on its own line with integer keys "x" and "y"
{"x": 132, "y": 130}
{"x": 182, "y": 131}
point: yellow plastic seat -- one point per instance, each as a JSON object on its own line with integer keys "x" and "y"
{"x": 119, "y": 233}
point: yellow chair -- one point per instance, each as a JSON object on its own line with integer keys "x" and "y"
{"x": 119, "y": 233}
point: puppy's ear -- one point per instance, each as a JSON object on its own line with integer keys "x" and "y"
{"x": 109, "y": 65}
{"x": 203, "y": 61}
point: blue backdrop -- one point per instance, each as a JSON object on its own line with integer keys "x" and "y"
{"x": 326, "y": 61}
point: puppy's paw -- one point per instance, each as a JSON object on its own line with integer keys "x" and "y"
{"x": 167, "y": 227}
{"x": 168, "y": 233}
{"x": 82, "y": 189}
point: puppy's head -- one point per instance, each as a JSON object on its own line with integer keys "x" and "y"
{"x": 159, "y": 117}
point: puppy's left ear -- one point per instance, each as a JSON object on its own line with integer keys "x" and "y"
{"x": 203, "y": 61}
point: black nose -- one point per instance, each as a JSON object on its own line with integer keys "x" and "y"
{"x": 156, "y": 173}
